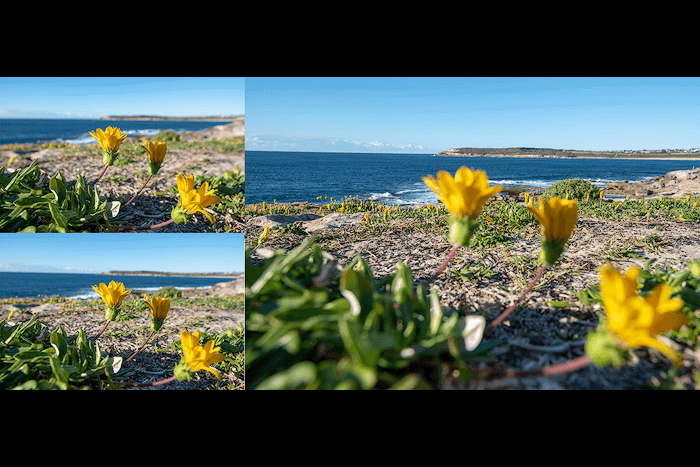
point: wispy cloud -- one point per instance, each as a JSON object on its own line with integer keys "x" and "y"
{"x": 268, "y": 142}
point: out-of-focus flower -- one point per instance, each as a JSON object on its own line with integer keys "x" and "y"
{"x": 264, "y": 234}
{"x": 635, "y": 319}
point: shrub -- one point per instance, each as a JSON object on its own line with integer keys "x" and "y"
{"x": 168, "y": 292}
{"x": 166, "y": 135}
{"x": 572, "y": 188}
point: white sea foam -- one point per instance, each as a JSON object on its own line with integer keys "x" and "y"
{"x": 86, "y": 138}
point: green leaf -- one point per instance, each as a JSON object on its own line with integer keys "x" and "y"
{"x": 58, "y": 187}
{"x": 402, "y": 289}
{"x": 560, "y": 304}
{"x": 435, "y": 312}
{"x": 59, "y": 373}
{"x": 58, "y": 217}
{"x": 297, "y": 376}
{"x": 360, "y": 286}
{"x": 59, "y": 342}
{"x": 29, "y": 201}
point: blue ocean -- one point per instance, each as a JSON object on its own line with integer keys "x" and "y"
{"x": 75, "y": 131}
{"x": 397, "y": 178}
{"x": 79, "y": 286}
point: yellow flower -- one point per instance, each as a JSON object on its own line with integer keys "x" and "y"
{"x": 112, "y": 295}
{"x": 196, "y": 200}
{"x": 110, "y": 139}
{"x": 159, "y": 310}
{"x": 156, "y": 153}
{"x": 185, "y": 184}
{"x": 264, "y": 234}
{"x": 635, "y": 319}
{"x": 463, "y": 195}
{"x": 197, "y": 357}
{"x": 557, "y": 217}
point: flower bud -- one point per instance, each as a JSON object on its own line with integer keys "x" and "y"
{"x": 461, "y": 230}
{"x": 179, "y": 215}
{"x": 108, "y": 157}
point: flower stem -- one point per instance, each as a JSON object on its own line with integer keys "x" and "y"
{"x": 142, "y": 346}
{"x": 102, "y": 330}
{"x": 444, "y": 264}
{"x": 530, "y": 286}
{"x": 566, "y": 367}
{"x": 139, "y": 192}
{"x": 142, "y": 385}
{"x": 148, "y": 227}
{"x": 100, "y": 176}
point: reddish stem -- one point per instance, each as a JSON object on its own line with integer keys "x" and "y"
{"x": 505, "y": 314}
{"x": 142, "y": 385}
{"x": 566, "y": 367}
{"x": 444, "y": 264}
{"x": 100, "y": 176}
{"x": 139, "y": 192}
{"x": 102, "y": 330}
{"x": 148, "y": 227}
{"x": 142, "y": 346}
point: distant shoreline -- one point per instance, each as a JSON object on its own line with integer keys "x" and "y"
{"x": 547, "y": 153}
{"x": 172, "y": 274}
{"x": 219, "y": 118}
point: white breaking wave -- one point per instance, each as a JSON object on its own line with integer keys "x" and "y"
{"x": 91, "y": 294}
{"x": 86, "y": 138}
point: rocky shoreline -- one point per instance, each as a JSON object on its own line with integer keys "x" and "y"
{"x": 675, "y": 184}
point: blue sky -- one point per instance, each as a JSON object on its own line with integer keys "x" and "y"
{"x": 427, "y": 115}
{"x": 95, "y": 97}
{"x": 95, "y": 253}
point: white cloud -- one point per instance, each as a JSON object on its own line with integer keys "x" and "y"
{"x": 267, "y": 142}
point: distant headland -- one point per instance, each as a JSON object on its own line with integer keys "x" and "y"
{"x": 172, "y": 274}
{"x": 571, "y": 153}
{"x": 216, "y": 118}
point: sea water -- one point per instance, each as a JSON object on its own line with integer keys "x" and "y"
{"x": 79, "y": 286}
{"x": 397, "y": 178}
{"x": 76, "y": 131}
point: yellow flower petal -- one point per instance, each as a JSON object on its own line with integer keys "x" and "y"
{"x": 636, "y": 319}
{"x": 557, "y": 217}
{"x": 197, "y": 357}
{"x": 159, "y": 307}
{"x": 112, "y": 295}
{"x": 156, "y": 151}
{"x": 465, "y": 194}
